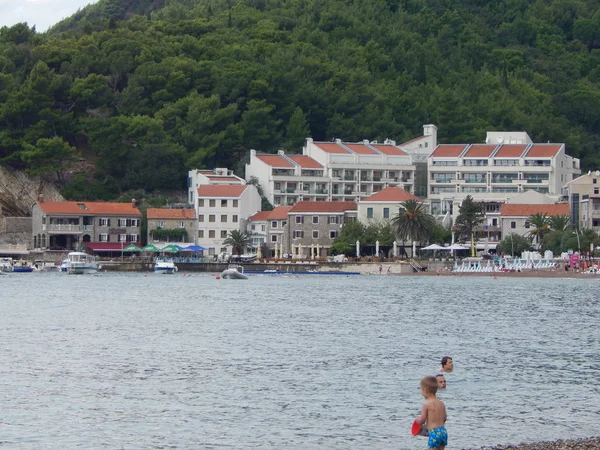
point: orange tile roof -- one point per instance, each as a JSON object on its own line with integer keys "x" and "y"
{"x": 361, "y": 149}
{"x": 391, "y": 194}
{"x": 448, "y": 150}
{"x": 170, "y": 213}
{"x": 510, "y": 151}
{"x": 86, "y": 208}
{"x": 479, "y": 151}
{"x": 306, "y": 162}
{"x": 389, "y": 149}
{"x": 221, "y": 190}
{"x": 275, "y": 161}
{"x": 557, "y": 209}
{"x": 280, "y": 213}
{"x": 543, "y": 150}
{"x": 329, "y": 147}
{"x": 260, "y": 216}
{"x": 316, "y": 207}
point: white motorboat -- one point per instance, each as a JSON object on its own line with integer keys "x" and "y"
{"x": 80, "y": 263}
{"x": 234, "y": 273}
{"x": 6, "y": 264}
{"x": 165, "y": 266}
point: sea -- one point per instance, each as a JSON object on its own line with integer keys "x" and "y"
{"x": 187, "y": 361}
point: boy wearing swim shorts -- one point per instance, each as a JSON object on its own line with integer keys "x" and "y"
{"x": 433, "y": 414}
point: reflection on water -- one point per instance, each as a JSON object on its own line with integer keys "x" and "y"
{"x": 134, "y": 361}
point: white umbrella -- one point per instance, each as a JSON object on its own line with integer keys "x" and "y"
{"x": 377, "y": 248}
{"x": 318, "y": 250}
{"x": 434, "y": 247}
{"x": 358, "y": 249}
{"x": 414, "y": 249}
{"x": 456, "y": 247}
{"x": 395, "y": 249}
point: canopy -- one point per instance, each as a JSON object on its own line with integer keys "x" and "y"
{"x": 150, "y": 248}
{"x": 192, "y": 248}
{"x": 456, "y": 247}
{"x": 170, "y": 249}
{"x": 132, "y": 248}
{"x": 433, "y": 247}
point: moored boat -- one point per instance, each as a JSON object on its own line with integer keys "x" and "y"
{"x": 22, "y": 266}
{"x": 166, "y": 266}
{"x": 234, "y": 272}
{"x": 6, "y": 264}
{"x": 78, "y": 263}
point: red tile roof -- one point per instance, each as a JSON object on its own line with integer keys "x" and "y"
{"x": 275, "y": 161}
{"x": 543, "y": 150}
{"x": 315, "y": 207}
{"x": 170, "y": 213}
{"x": 391, "y": 194}
{"x": 260, "y": 216}
{"x": 389, "y": 149}
{"x": 557, "y": 209}
{"x": 279, "y": 213}
{"x": 329, "y": 147}
{"x": 306, "y": 162}
{"x": 361, "y": 149}
{"x": 448, "y": 150}
{"x": 479, "y": 151}
{"x": 221, "y": 190}
{"x": 87, "y": 208}
{"x": 510, "y": 151}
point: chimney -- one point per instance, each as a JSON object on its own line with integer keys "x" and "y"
{"x": 133, "y": 203}
{"x": 280, "y": 152}
{"x": 338, "y": 141}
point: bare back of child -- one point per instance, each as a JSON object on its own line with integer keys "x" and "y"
{"x": 433, "y": 414}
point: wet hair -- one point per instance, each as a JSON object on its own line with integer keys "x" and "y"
{"x": 440, "y": 375}
{"x": 430, "y": 384}
{"x": 445, "y": 360}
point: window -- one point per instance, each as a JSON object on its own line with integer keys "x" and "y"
{"x": 386, "y": 213}
{"x": 262, "y": 227}
{"x": 494, "y": 222}
{"x": 234, "y": 218}
{"x": 211, "y": 251}
{"x": 333, "y": 234}
{"x": 132, "y": 238}
{"x": 369, "y": 213}
{"x": 104, "y": 222}
{"x": 334, "y": 219}
{"x": 212, "y": 203}
{"x": 103, "y": 237}
{"x": 223, "y": 218}
{"x": 223, "y": 234}
{"x": 315, "y": 219}
{"x": 298, "y": 234}
{"x": 224, "y": 203}
{"x": 235, "y": 203}
{"x": 223, "y": 249}
{"x": 161, "y": 223}
{"x": 122, "y": 238}
{"x": 594, "y": 180}
{"x": 201, "y": 218}
{"x": 133, "y": 223}
{"x": 201, "y": 234}
{"x": 315, "y": 234}
{"x": 122, "y": 222}
{"x": 200, "y": 203}
{"x": 596, "y": 190}
{"x": 253, "y": 226}
{"x": 182, "y": 224}
{"x": 513, "y": 224}
{"x": 211, "y": 218}
{"x": 274, "y": 238}
{"x": 299, "y": 219}
{"x": 211, "y": 234}
{"x": 283, "y": 223}
{"x": 527, "y": 224}
{"x": 273, "y": 224}
{"x": 278, "y": 186}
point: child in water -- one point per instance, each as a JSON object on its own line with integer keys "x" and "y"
{"x": 433, "y": 414}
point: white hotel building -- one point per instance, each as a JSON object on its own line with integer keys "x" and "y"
{"x": 341, "y": 171}
{"x": 506, "y": 166}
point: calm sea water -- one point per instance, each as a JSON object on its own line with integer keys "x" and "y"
{"x": 131, "y": 361}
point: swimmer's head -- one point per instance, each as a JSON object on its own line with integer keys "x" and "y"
{"x": 441, "y": 381}
{"x": 447, "y": 364}
{"x": 429, "y": 385}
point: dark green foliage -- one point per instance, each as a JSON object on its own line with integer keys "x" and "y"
{"x": 513, "y": 244}
{"x": 146, "y": 89}
{"x": 470, "y": 216}
{"x": 169, "y": 234}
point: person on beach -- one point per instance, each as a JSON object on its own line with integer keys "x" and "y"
{"x": 433, "y": 413}
{"x": 441, "y": 380}
{"x": 447, "y": 364}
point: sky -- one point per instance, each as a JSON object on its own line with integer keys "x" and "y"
{"x": 41, "y": 13}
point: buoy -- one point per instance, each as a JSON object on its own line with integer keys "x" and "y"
{"x": 218, "y": 277}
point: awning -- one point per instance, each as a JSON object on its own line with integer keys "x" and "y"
{"x": 107, "y": 246}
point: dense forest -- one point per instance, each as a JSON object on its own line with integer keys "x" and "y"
{"x": 129, "y": 94}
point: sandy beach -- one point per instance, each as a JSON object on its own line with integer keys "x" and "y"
{"x": 525, "y": 274}
{"x": 592, "y": 443}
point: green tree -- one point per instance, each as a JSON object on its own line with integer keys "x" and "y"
{"x": 470, "y": 216}
{"x": 239, "y": 240}
{"x": 539, "y": 227}
{"x": 297, "y": 131}
{"x": 413, "y": 223}
{"x": 265, "y": 203}
{"x": 513, "y": 244}
{"x": 49, "y": 156}
{"x": 559, "y": 223}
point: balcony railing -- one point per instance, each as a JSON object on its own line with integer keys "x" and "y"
{"x": 536, "y": 180}
{"x": 288, "y": 191}
{"x": 349, "y": 178}
{"x": 475, "y": 180}
{"x": 65, "y": 228}
{"x": 442, "y": 180}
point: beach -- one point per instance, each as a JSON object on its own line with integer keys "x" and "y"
{"x": 591, "y": 443}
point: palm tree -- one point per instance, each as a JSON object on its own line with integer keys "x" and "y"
{"x": 413, "y": 222}
{"x": 559, "y": 223}
{"x": 541, "y": 227}
{"x": 238, "y": 240}
{"x": 470, "y": 216}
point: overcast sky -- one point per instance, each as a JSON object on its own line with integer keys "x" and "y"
{"x": 41, "y": 13}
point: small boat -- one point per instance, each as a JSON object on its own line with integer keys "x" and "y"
{"x": 64, "y": 266}
{"x": 78, "y": 263}
{"x": 6, "y": 264}
{"x": 165, "y": 266}
{"x": 22, "y": 267}
{"x": 46, "y": 266}
{"x": 234, "y": 272}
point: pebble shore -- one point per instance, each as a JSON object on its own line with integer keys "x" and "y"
{"x": 592, "y": 443}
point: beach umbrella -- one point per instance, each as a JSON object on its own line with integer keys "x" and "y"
{"x": 358, "y": 249}
{"x": 192, "y": 248}
{"x": 456, "y": 247}
{"x": 434, "y": 247}
{"x": 377, "y": 248}
{"x": 150, "y": 248}
{"x": 170, "y": 249}
{"x": 395, "y": 249}
{"x": 132, "y": 248}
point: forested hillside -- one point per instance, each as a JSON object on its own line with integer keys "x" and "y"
{"x": 143, "y": 90}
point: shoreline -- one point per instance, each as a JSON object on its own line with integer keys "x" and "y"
{"x": 528, "y": 274}
{"x": 591, "y": 443}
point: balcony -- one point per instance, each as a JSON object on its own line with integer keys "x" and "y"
{"x": 537, "y": 180}
{"x": 349, "y": 178}
{"x": 288, "y": 191}
{"x": 442, "y": 180}
{"x": 475, "y": 180}
{"x": 64, "y": 228}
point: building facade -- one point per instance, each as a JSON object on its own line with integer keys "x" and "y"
{"x": 384, "y": 205}
{"x": 514, "y": 218}
{"x": 217, "y": 176}
{"x": 257, "y": 229}
{"x": 68, "y": 225}
{"x": 583, "y": 195}
{"x": 182, "y": 221}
